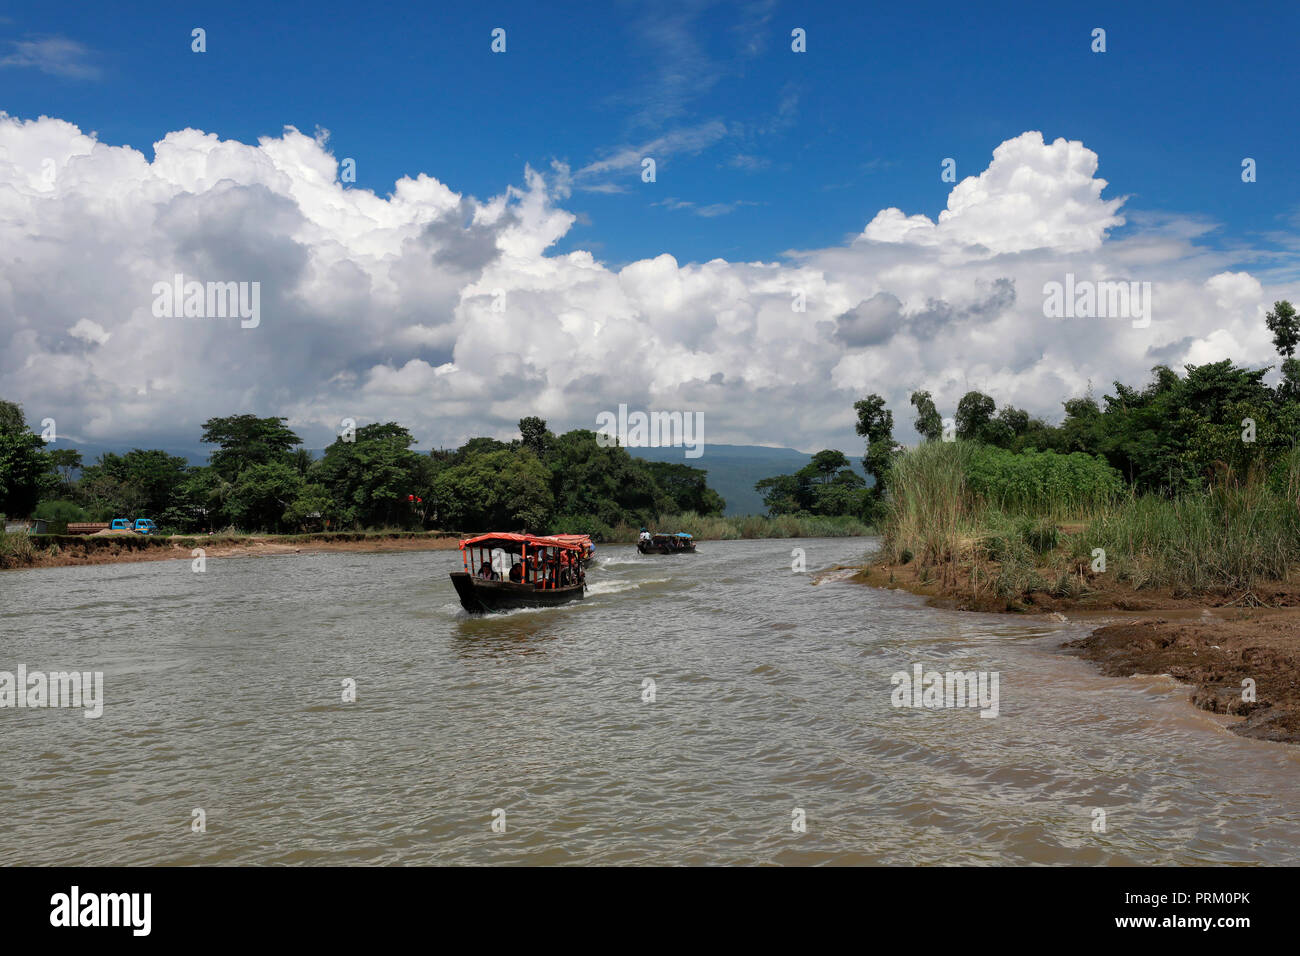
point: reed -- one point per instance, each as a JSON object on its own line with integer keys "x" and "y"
{"x": 15, "y": 549}
{"x": 1015, "y": 528}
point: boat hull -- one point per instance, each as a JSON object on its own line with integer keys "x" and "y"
{"x": 479, "y": 596}
{"x": 657, "y": 549}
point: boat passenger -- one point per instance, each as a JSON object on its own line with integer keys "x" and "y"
{"x": 485, "y": 571}
{"x": 645, "y": 536}
{"x": 516, "y": 572}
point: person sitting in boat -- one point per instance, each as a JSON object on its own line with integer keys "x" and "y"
{"x": 516, "y": 572}
{"x": 485, "y": 571}
{"x": 645, "y": 536}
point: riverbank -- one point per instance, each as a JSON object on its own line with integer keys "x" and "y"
{"x": 1213, "y": 640}
{"x": 52, "y": 551}
{"x": 1217, "y": 570}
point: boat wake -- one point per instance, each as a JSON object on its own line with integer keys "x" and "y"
{"x": 616, "y": 587}
{"x": 612, "y": 562}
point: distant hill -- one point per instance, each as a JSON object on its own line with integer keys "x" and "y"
{"x": 734, "y": 469}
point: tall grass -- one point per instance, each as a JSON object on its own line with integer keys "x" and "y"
{"x": 948, "y": 508}
{"x": 1238, "y": 535}
{"x": 928, "y": 514}
{"x": 15, "y": 549}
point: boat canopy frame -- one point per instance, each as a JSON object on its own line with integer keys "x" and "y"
{"x": 535, "y": 573}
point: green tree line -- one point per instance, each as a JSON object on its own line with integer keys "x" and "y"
{"x": 1168, "y": 437}
{"x": 259, "y": 478}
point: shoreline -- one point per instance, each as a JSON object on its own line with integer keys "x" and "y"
{"x": 1213, "y": 641}
{"x": 122, "y": 549}
{"x": 62, "y": 551}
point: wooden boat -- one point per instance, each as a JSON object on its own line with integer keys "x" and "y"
{"x": 504, "y": 571}
{"x": 584, "y": 540}
{"x": 661, "y": 543}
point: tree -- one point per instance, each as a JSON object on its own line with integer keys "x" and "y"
{"x": 826, "y": 465}
{"x": 782, "y": 495}
{"x": 247, "y": 440}
{"x": 302, "y": 461}
{"x": 198, "y": 502}
{"x": 313, "y": 509}
{"x": 26, "y": 473}
{"x": 65, "y": 461}
{"x": 262, "y": 494}
{"x": 605, "y": 483}
{"x": 974, "y": 413}
{"x": 495, "y": 491}
{"x": 140, "y": 483}
{"x": 686, "y": 486}
{"x": 371, "y": 477}
{"x": 1288, "y": 390}
{"x": 534, "y": 435}
{"x": 928, "y": 424}
{"x": 827, "y": 485}
{"x": 11, "y": 416}
{"x": 876, "y": 424}
{"x": 1285, "y": 326}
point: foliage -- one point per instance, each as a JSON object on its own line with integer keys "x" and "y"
{"x": 1285, "y": 326}
{"x": 826, "y": 486}
{"x": 261, "y": 495}
{"x": 687, "y": 487}
{"x": 139, "y": 483}
{"x": 374, "y": 478}
{"x": 246, "y": 440}
{"x": 1040, "y": 483}
{"x": 57, "y": 514}
{"x": 26, "y": 473}
{"x": 876, "y": 424}
{"x": 928, "y": 424}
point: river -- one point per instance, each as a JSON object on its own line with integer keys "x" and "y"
{"x": 771, "y": 712}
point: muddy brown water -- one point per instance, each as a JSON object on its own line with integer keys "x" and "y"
{"x": 772, "y": 694}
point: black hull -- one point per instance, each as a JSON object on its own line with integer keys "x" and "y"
{"x": 653, "y": 549}
{"x": 479, "y": 596}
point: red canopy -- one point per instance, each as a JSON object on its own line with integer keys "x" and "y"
{"x": 530, "y": 539}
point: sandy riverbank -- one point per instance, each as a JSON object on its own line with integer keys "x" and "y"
{"x": 113, "y": 549}
{"x": 1213, "y": 641}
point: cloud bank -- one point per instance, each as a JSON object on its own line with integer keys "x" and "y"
{"x": 446, "y": 312}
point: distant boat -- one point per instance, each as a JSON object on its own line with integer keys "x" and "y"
{"x": 504, "y": 571}
{"x": 583, "y": 540}
{"x": 661, "y": 543}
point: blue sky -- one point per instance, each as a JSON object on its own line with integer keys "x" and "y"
{"x": 772, "y": 150}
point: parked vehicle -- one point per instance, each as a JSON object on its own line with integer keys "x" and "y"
{"x": 145, "y": 526}
{"x": 120, "y": 524}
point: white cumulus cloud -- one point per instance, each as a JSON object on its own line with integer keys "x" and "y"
{"x": 453, "y": 314}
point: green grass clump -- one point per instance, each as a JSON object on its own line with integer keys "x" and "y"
{"x": 966, "y": 507}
